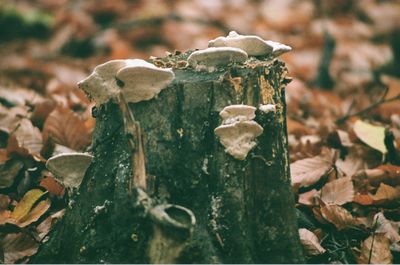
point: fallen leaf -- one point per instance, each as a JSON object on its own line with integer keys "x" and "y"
{"x": 363, "y": 199}
{"x": 339, "y": 191}
{"x": 390, "y": 175}
{"x": 388, "y": 228}
{"x": 26, "y": 140}
{"x": 8, "y": 171}
{"x": 339, "y": 216}
{"x": 4, "y": 201}
{"x": 371, "y": 135}
{"x": 308, "y": 171}
{"x": 66, "y": 128}
{"x": 35, "y": 213}
{"x": 353, "y": 162}
{"x": 386, "y": 193}
{"x": 3, "y": 155}
{"x": 44, "y": 227}
{"x": 52, "y": 186}
{"x": 375, "y": 250}
{"x": 23, "y": 208}
{"x": 310, "y": 242}
{"x": 17, "y": 246}
{"x": 308, "y": 198}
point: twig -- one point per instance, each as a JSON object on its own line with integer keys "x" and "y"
{"x": 374, "y": 105}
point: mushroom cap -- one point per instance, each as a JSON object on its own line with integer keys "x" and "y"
{"x": 212, "y": 57}
{"x": 238, "y": 138}
{"x": 234, "y": 113}
{"x": 278, "y": 48}
{"x": 69, "y": 168}
{"x": 101, "y": 84}
{"x": 251, "y": 44}
{"x": 143, "y": 80}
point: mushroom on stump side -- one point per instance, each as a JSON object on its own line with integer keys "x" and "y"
{"x": 238, "y": 130}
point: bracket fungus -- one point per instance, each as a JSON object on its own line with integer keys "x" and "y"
{"x": 210, "y": 58}
{"x": 251, "y": 44}
{"x": 238, "y": 130}
{"x": 139, "y": 79}
{"x": 69, "y": 168}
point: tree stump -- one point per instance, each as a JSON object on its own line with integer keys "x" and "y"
{"x": 244, "y": 209}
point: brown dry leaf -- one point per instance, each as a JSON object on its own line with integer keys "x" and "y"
{"x": 23, "y": 208}
{"x": 3, "y": 155}
{"x": 8, "y": 171}
{"x": 52, "y": 186}
{"x": 4, "y": 201}
{"x": 26, "y": 140}
{"x": 339, "y": 191}
{"x": 42, "y": 111}
{"x": 371, "y": 135}
{"x": 386, "y": 193}
{"x": 390, "y": 175}
{"x": 339, "y": 216}
{"x": 66, "y": 128}
{"x": 310, "y": 242}
{"x": 386, "y": 110}
{"x": 5, "y": 217}
{"x": 44, "y": 227}
{"x": 18, "y": 246}
{"x": 308, "y": 171}
{"x": 352, "y": 163}
{"x": 390, "y": 229}
{"x": 375, "y": 250}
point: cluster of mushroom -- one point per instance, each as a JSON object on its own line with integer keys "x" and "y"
{"x": 238, "y": 130}
{"x": 234, "y": 48}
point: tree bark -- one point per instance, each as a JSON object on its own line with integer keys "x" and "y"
{"x": 244, "y": 210}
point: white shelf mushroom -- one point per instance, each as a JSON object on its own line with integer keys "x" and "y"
{"x": 69, "y": 168}
{"x": 251, "y": 44}
{"x": 210, "y": 58}
{"x": 238, "y": 130}
{"x": 141, "y": 81}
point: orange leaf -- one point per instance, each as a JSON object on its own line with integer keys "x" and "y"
{"x": 66, "y": 128}
{"x": 339, "y": 191}
{"x": 52, "y": 186}
{"x": 363, "y": 199}
{"x": 375, "y": 250}
{"x": 386, "y": 193}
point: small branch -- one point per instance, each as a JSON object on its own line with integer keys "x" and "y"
{"x": 369, "y": 108}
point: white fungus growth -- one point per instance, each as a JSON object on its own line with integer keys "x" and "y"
{"x": 238, "y": 130}
{"x": 268, "y": 108}
{"x": 210, "y": 58}
{"x": 69, "y": 168}
{"x": 251, "y": 44}
{"x": 143, "y": 81}
{"x": 140, "y": 81}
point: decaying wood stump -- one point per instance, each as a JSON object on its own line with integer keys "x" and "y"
{"x": 244, "y": 209}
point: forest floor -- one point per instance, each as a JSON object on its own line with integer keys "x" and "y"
{"x": 343, "y": 109}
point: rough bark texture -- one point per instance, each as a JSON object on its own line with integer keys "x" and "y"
{"x": 244, "y": 209}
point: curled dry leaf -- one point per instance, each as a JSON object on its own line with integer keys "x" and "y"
{"x": 18, "y": 246}
{"x": 339, "y": 191}
{"x": 310, "y": 242}
{"x": 66, "y": 128}
{"x": 388, "y": 174}
{"x": 375, "y": 250}
{"x": 371, "y": 135}
{"x": 363, "y": 199}
{"x": 44, "y": 227}
{"x": 52, "y": 186}
{"x": 352, "y": 163}
{"x": 339, "y": 216}
{"x": 26, "y": 140}
{"x": 306, "y": 172}
{"x": 308, "y": 198}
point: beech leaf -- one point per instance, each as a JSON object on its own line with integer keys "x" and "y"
{"x": 310, "y": 242}
{"x": 18, "y": 246}
{"x": 390, "y": 229}
{"x": 23, "y": 208}
{"x": 375, "y": 250}
{"x": 66, "y": 128}
{"x": 338, "y": 191}
{"x": 26, "y": 140}
{"x": 371, "y": 135}
{"x": 386, "y": 193}
{"x": 339, "y": 216}
{"x": 306, "y": 172}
